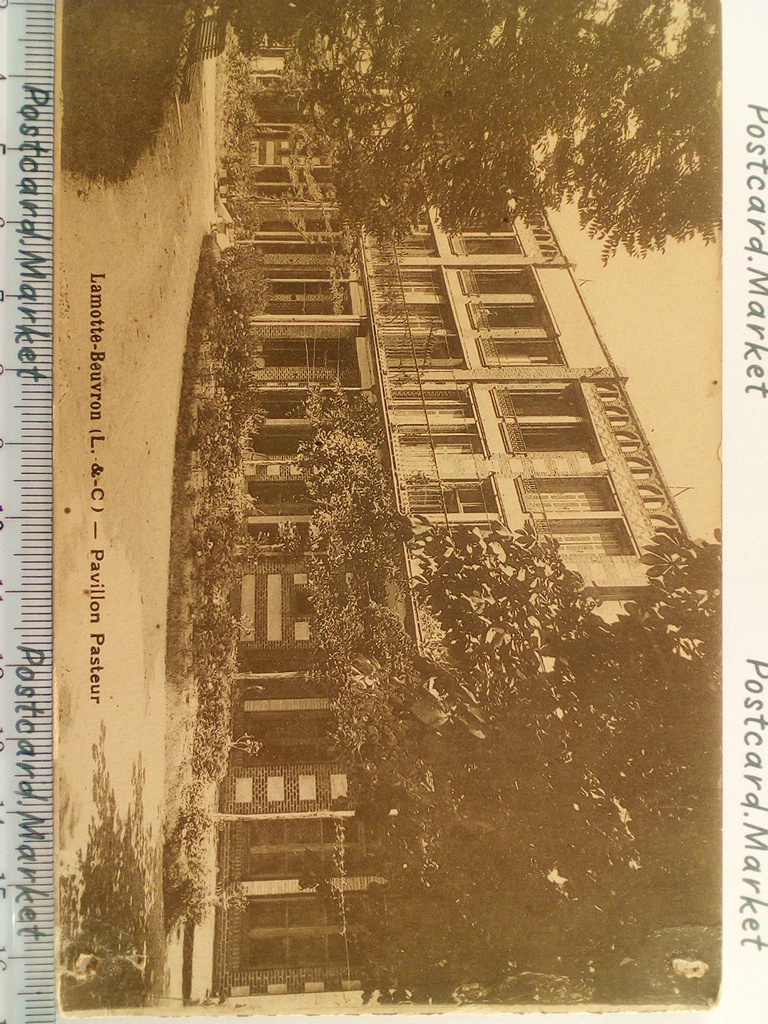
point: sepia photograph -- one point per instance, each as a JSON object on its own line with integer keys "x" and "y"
{"x": 387, "y": 506}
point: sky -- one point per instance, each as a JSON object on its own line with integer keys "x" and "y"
{"x": 660, "y": 318}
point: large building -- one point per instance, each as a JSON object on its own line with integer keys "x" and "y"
{"x": 501, "y": 404}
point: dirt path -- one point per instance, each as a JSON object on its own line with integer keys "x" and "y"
{"x": 144, "y": 237}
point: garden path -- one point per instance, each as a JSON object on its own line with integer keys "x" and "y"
{"x": 143, "y": 236}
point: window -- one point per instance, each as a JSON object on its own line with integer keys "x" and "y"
{"x": 420, "y": 242}
{"x": 504, "y": 282}
{"x": 244, "y": 791}
{"x": 275, "y": 175}
{"x": 305, "y": 291}
{"x": 309, "y": 831}
{"x": 298, "y": 931}
{"x": 338, "y": 786}
{"x": 298, "y": 735}
{"x": 423, "y": 348}
{"x": 444, "y": 418}
{"x": 469, "y": 498}
{"x": 307, "y": 787}
{"x": 519, "y": 352}
{"x": 526, "y": 437}
{"x": 413, "y": 405}
{"x": 285, "y": 404}
{"x": 503, "y": 316}
{"x": 593, "y": 537}
{"x": 456, "y": 497}
{"x": 558, "y": 401}
{"x": 281, "y": 848}
{"x": 456, "y": 439}
{"x": 266, "y": 952}
{"x": 489, "y": 245}
{"x": 275, "y": 789}
{"x": 280, "y": 438}
{"x": 432, "y": 318}
{"x": 422, "y": 281}
{"x": 309, "y": 225}
{"x": 305, "y": 353}
{"x": 570, "y": 494}
{"x": 546, "y": 420}
{"x": 280, "y": 495}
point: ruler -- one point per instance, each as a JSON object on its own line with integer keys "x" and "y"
{"x": 27, "y": 943}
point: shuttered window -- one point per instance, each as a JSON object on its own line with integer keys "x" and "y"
{"x": 573, "y": 494}
{"x": 592, "y": 538}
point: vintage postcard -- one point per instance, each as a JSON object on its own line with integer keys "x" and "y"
{"x": 387, "y": 505}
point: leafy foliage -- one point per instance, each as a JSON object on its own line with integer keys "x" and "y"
{"x": 685, "y": 594}
{"x": 530, "y": 710}
{"x": 464, "y": 106}
{"x": 220, "y": 408}
{"x": 107, "y": 903}
{"x": 244, "y": 286}
{"x": 236, "y": 107}
{"x": 578, "y": 816}
{"x": 357, "y": 532}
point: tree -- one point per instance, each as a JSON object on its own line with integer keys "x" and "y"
{"x": 553, "y": 843}
{"x": 357, "y": 532}
{"x": 465, "y": 106}
{"x": 244, "y": 286}
{"x": 664, "y": 656}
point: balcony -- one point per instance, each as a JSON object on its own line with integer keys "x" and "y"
{"x": 414, "y": 324}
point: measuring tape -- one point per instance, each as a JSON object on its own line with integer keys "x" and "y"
{"x": 27, "y": 941}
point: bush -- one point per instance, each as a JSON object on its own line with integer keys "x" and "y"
{"x": 221, "y": 385}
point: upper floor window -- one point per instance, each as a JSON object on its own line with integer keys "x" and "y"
{"x": 420, "y": 241}
{"x": 592, "y": 537}
{"x": 424, "y": 282}
{"x": 278, "y": 848}
{"x": 412, "y": 405}
{"x": 507, "y": 304}
{"x": 550, "y": 401}
{"x": 307, "y": 291}
{"x": 284, "y": 403}
{"x": 457, "y": 439}
{"x": 524, "y": 351}
{"x": 490, "y": 245}
{"x": 553, "y": 419}
{"x": 517, "y": 282}
{"x": 300, "y": 226}
{"x": 559, "y": 495}
{"x": 422, "y": 348}
{"x": 516, "y": 316}
{"x": 277, "y": 495}
{"x": 468, "y": 498}
{"x": 487, "y": 242}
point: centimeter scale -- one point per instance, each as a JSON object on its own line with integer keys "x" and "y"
{"x": 27, "y": 942}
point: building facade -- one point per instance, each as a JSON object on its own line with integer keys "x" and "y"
{"x": 500, "y": 405}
